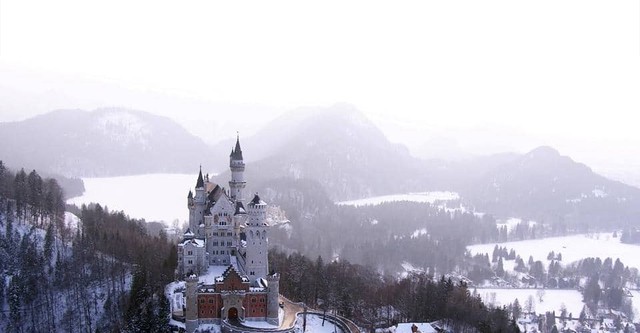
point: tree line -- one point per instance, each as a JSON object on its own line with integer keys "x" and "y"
{"x": 104, "y": 275}
{"x": 373, "y": 300}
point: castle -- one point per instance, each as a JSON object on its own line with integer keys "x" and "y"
{"x": 223, "y": 255}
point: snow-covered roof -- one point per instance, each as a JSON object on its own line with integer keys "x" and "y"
{"x": 215, "y": 272}
{"x": 256, "y": 201}
{"x": 194, "y": 241}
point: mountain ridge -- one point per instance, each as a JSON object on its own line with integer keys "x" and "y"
{"x": 102, "y": 142}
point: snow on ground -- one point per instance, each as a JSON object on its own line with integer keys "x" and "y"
{"x": 552, "y": 300}
{"x": 573, "y": 248}
{"x": 418, "y": 233}
{"x": 422, "y": 327}
{"x": 71, "y": 221}
{"x": 208, "y": 328}
{"x": 155, "y": 197}
{"x": 314, "y": 325}
{"x": 635, "y": 301}
{"x": 429, "y": 197}
{"x": 409, "y": 269}
{"x": 511, "y": 223}
{"x": 406, "y": 328}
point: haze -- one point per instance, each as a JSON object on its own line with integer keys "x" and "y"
{"x": 483, "y": 77}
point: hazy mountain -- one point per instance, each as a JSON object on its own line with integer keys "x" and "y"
{"x": 336, "y": 146}
{"x": 105, "y": 142}
{"x": 544, "y": 184}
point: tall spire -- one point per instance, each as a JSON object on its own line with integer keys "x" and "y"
{"x": 236, "y": 153}
{"x": 200, "y": 182}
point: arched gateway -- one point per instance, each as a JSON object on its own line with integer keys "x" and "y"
{"x": 233, "y": 314}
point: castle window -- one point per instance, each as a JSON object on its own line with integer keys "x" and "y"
{"x": 190, "y": 253}
{"x": 202, "y": 301}
{"x": 210, "y": 300}
{"x": 190, "y": 262}
{"x": 228, "y": 243}
{"x": 228, "y": 234}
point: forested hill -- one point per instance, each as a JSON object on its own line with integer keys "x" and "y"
{"x": 337, "y": 146}
{"x": 371, "y": 300}
{"x": 104, "y": 142}
{"x": 58, "y": 274}
{"x": 547, "y": 186}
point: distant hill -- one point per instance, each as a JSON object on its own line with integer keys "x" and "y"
{"x": 336, "y": 146}
{"x": 341, "y": 151}
{"x": 544, "y": 184}
{"x": 104, "y": 142}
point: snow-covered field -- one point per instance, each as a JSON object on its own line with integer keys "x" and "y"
{"x": 314, "y": 325}
{"x": 511, "y": 223}
{"x": 429, "y": 197}
{"x": 552, "y": 300}
{"x": 573, "y": 248}
{"x": 155, "y": 197}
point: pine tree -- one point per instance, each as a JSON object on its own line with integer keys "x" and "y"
{"x": 48, "y": 244}
{"x": 583, "y": 314}
{"x": 500, "y": 268}
{"x": 15, "y": 317}
{"x": 21, "y": 192}
{"x": 516, "y": 309}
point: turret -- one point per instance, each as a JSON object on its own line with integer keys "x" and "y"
{"x": 199, "y": 206}
{"x": 191, "y": 303}
{"x": 273, "y": 294}
{"x": 256, "y": 231}
{"x": 236, "y": 164}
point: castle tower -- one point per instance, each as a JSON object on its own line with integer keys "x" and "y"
{"x": 257, "y": 265}
{"x": 192, "y": 212}
{"x": 236, "y": 164}
{"x": 273, "y": 295}
{"x": 191, "y": 316}
{"x": 199, "y": 206}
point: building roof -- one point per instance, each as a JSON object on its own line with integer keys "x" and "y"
{"x": 200, "y": 181}
{"x": 190, "y": 195}
{"x": 215, "y": 193}
{"x": 193, "y": 241}
{"x": 256, "y": 200}
{"x": 236, "y": 153}
{"x": 240, "y": 208}
{"x": 422, "y": 327}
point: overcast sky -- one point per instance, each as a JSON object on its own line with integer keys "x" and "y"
{"x": 563, "y": 73}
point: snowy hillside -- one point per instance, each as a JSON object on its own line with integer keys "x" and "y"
{"x": 103, "y": 142}
{"x": 124, "y": 128}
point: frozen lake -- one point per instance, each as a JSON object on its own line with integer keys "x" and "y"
{"x": 155, "y": 197}
{"x": 429, "y": 197}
